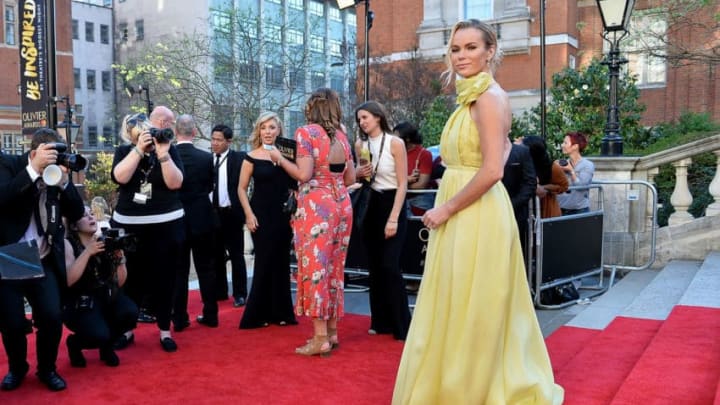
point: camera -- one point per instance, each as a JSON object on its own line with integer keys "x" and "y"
{"x": 116, "y": 239}
{"x": 164, "y": 135}
{"x": 72, "y": 161}
{"x": 563, "y": 162}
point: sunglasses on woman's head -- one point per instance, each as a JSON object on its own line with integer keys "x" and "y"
{"x": 133, "y": 121}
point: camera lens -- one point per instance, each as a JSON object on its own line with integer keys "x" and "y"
{"x": 563, "y": 162}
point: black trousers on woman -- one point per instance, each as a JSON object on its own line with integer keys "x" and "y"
{"x": 100, "y": 323}
{"x": 389, "y": 312}
{"x": 153, "y": 266}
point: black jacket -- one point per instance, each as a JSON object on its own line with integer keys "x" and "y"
{"x": 234, "y": 163}
{"x": 520, "y": 180}
{"x": 197, "y": 185}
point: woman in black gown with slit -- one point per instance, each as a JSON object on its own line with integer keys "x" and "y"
{"x": 270, "y": 300}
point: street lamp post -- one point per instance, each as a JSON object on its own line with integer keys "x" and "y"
{"x": 615, "y": 18}
{"x": 67, "y": 128}
{"x": 369, "y": 17}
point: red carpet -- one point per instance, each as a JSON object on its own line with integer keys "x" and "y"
{"x": 227, "y": 365}
{"x": 565, "y": 343}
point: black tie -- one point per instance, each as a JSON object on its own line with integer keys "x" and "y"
{"x": 36, "y": 212}
{"x": 216, "y": 180}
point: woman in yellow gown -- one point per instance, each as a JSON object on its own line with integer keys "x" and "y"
{"x": 474, "y": 337}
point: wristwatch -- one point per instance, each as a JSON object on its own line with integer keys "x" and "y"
{"x": 164, "y": 159}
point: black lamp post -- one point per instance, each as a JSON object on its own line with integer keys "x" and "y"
{"x": 615, "y": 17}
{"x": 369, "y": 17}
{"x": 67, "y": 127}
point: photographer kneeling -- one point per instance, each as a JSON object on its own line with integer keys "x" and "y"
{"x": 95, "y": 307}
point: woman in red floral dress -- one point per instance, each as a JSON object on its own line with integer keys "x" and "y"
{"x": 323, "y": 220}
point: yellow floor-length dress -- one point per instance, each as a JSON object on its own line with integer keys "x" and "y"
{"x": 474, "y": 337}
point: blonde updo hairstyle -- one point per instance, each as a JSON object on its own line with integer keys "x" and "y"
{"x": 490, "y": 38}
{"x": 323, "y": 108}
{"x": 130, "y": 123}
{"x": 255, "y": 139}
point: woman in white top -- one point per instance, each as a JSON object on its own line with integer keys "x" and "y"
{"x": 385, "y": 223}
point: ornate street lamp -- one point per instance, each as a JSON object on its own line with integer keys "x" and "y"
{"x": 369, "y": 17}
{"x": 615, "y": 17}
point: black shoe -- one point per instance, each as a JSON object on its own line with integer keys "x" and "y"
{"x": 109, "y": 357}
{"x": 209, "y": 322}
{"x": 239, "y": 302}
{"x": 181, "y": 325}
{"x": 145, "y": 317}
{"x": 52, "y": 380}
{"x": 12, "y": 381}
{"x": 75, "y": 352}
{"x": 168, "y": 344}
{"x": 123, "y": 341}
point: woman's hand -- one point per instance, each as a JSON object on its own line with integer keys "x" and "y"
{"x": 95, "y": 247}
{"x": 541, "y": 191}
{"x": 275, "y": 155}
{"x": 435, "y": 217}
{"x": 390, "y": 228}
{"x": 162, "y": 149}
{"x": 363, "y": 171}
{"x": 145, "y": 142}
{"x": 251, "y": 222}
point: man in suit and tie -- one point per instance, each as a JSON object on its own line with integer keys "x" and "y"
{"x": 30, "y": 210}
{"x": 199, "y": 228}
{"x": 520, "y": 181}
{"x": 230, "y": 235}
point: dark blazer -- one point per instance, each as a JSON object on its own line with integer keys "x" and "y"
{"x": 234, "y": 163}
{"x": 18, "y": 198}
{"x": 520, "y": 180}
{"x": 197, "y": 185}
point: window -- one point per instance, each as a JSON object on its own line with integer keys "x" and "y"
{"x": 89, "y": 31}
{"x": 92, "y": 136}
{"x": 351, "y": 19}
{"x": 108, "y": 136}
{"x": 139, "y": 30}
{"x": 480, "y": 9}
{"x": 296, "y": 119}
{"x": 335, "y": 47}
{"x": 274, "y": 76}
{"x": 334, "y": 13}
{"x": 12, "y": 144}
{"x": 273, "y": 34}
{"x": 221, "y": 21}
{"x": 76, "y": 78}
{"x": 75, "y": 29}
{"x": 297, "y": 80}
{"x": 644, "y": 48}
{"x": 106, "y": 83}
{"x": 10, "y": 25}
{"x": 123, "y": 32}
{"x": 90, "y": 79}
{"x": 317, "y": 80}
{"x": 317, "y": 43}
{"x": 296, "y": 4}
{"x": 316, "y": 8}
{"x": 337, "y": 83}
{"x": 104, "y": 34}
{"x": 294, "y": 37}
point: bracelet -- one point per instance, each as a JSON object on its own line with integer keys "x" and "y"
{"x": 164, "y": 159}
{"x": 138, "y": 151}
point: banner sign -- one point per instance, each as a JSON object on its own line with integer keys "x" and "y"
{"x": 33, "y": 65}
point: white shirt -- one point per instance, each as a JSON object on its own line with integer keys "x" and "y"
{"x": 223, "y": 197}
{"x": 32, "y": 232}
{"x": 386, "y": 176}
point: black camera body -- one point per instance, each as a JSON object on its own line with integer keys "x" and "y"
{"x": 72, "y": 161}
{"x": 563, "y": 162}
{"x": 164, "y": 135}
{"x": 116, "y": 239}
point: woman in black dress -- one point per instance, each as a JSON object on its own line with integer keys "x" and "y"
{"x": 270, "y": 300}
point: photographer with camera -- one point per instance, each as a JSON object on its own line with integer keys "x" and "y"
{"x": 30, "y": 211}
{"x": 150, "y": 173}
{"x": 95, "y": 308}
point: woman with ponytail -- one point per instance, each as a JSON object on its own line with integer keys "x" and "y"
{"x": 323, "y": 219}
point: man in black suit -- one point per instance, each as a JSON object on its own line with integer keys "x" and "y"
{"x": 199, "y": 228}
{"x": 28, "y": 211}
{"x": 226, "y": 202}
{"x": 520, "y": 181}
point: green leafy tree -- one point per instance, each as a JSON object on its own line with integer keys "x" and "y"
{"x": 434, "y": 119}
{"x": 578, "y": 101}
{"x": 98, "y": 182}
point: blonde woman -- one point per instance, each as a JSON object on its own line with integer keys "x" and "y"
{"x": 269, "y": 300}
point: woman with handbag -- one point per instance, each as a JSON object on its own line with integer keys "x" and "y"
{"x": 323, "y": 219}
{"x": 270, "y": 300}
{"x": 385, "y": 223}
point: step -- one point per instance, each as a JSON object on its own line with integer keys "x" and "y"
{"x": 594, "y": 374}
{"x": 664, "y": 292}
{"x": 565, "y": 343}
{"x": 600, "y": 312}
{"x": 680, "y": 365}
{"x": 705, "y": 287}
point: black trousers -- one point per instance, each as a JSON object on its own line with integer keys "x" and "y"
{"x": 101, "y": 325}
{"x": 202, "y": 246}
{"x": 389, "y": 312}
{"x": 153, "y": 266}
{"x": 44, "y": 297}
{"x": 230, "y": 237}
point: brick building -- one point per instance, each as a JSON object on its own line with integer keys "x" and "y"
{"x": 10, "y": 124}
{"x": 573, "y": 31}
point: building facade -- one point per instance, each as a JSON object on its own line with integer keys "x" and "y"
{"x": 573, "y": 31}
{"x": 10, "y": 40}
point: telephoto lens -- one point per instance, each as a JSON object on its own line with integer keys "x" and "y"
{"x": 563, "y": 162}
